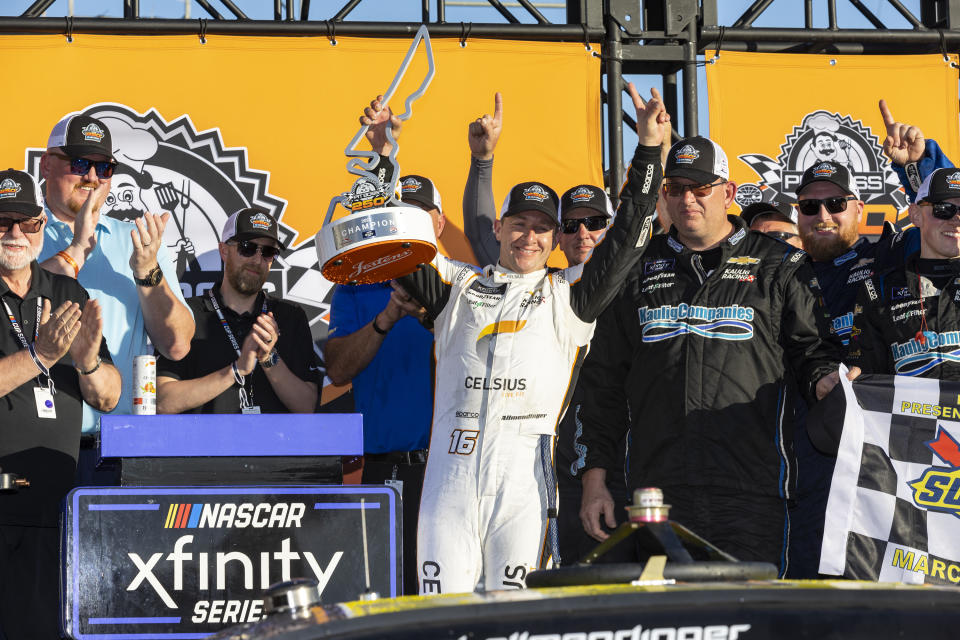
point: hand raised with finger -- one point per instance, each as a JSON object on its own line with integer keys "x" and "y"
{"x": 57, "y": 331}
{"x": 653, "y": 121}
{"x": 904, "y": 142}
{"x": 147, "y": 238}
{"x": 484, "y": 132}
{"x": 86, "y": 346}
{"x": 377, "y": 118}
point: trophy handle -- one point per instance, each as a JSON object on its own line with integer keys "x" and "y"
{"x": 333, "y": 205}
{"x": 358, "y": 167}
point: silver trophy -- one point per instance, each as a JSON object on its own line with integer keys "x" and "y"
{"x": 381, "y": 239}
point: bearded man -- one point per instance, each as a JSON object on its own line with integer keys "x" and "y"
{"x": 240, "y": 326}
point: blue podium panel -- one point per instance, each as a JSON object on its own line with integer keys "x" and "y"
{"x": 184, "y": 562}
{"x": 193, "y": 435}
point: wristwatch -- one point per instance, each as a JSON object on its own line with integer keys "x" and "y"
{"x": 153, "y": 278}
{"x": 270, "y": 360}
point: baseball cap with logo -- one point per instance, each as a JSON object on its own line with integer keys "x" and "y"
{"x": 697, "y": 158}
{"x": 250, "y": 223}
{"x": 421, "y": 190}
{"x": 80, "y": 135}
{"x": 531, "y": 196}
{"x": 588, "y": 196}
{"x": 940, "y": 185}
{"x": 828, "y": 171}
{"x": 19, "y": 193}
{"x": 784, "y": 209}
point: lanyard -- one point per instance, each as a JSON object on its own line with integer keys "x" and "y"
{"x": 16, "y": 325}
{"x": 246, "y": 400}
{"x": 23, "y": 339}
{"x": 226, "y": 325}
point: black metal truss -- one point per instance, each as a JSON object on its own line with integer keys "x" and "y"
{"x": 659, "y": 37}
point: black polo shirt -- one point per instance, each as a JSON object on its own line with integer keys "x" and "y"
{"x": 42, "y": 450}
{"x": 211, "y": 351}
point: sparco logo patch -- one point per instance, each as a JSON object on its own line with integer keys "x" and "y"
{"x": 820, "y": 136}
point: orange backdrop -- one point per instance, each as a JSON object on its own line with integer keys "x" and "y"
{"x": 293, "y": 102}
{"x": 790, "y": 109}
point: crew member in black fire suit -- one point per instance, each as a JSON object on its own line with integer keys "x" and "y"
{"x": 698, "y": 348}
{"x": 830, "y": 215}
{"x": 907, "y": 316}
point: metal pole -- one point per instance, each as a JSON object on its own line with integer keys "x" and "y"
{"x": 441, "y": 11}
{"x": 832, "y": 14}
{"x": 670, "y": 96}
{"x": 425, "y": 12}
{"x": 752, "y": 13}
{"x": 690, "y": 121}
{"x": 613, "y": 53}
{"x": 541, "y": 33}
{"x": 290, "y": 11}
{"x": 36, "y": 9}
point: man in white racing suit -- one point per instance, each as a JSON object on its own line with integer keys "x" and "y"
{"x": 508, "y": 344}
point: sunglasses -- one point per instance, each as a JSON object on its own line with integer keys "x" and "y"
{"x": 592, "y": 223}
{"x": 783, "y": 236}
{"x": 941, "y": 210}
{"x": 81, "y": 166}
{"x": 835, "y": 204}
{"x": 675, "y": 189}
{"x": 27, "y": 225}
{"x": 248, "y": 249}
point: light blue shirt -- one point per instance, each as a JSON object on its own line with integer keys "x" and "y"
{"x": 107, "y": 277}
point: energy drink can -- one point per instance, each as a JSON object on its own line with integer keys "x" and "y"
{"x": 144, "y": 386}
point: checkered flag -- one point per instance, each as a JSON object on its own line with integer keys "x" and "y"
{"x": 767, "y": 168}
{"x": 893, "y": 513}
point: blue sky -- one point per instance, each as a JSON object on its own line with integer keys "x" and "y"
{"x": 781, "y": 13}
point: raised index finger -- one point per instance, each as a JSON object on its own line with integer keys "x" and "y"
{"x": 638, "y": 102}
{"x": 497, "y": 106}
{"x": 885, "y": 114}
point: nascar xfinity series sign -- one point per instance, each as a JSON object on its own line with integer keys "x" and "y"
{"x": 185, "y": 562}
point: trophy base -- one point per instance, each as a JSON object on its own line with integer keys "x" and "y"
{"x": 376, "y": 245}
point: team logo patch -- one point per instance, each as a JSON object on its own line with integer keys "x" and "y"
{"x": 9, "y": 188}
{"x": 743, "y": 260}
{"x": 260, "y": 221}
{"x": 899, "y": 293}
{"x": 673, "y": 244}
{"x": 92, "y": 132}
{"x": 953, "y": 180}
{"x": 686, "y": 154}
{"x": 410, "y": 185}
{"x": 536, "y": 193}
{"x": 737, "y": 237}
{"x": 661, "y": 264}
{"x": 582, "y": 195}
{"x": 823, "y": 170}
{"x": 821, "y": 136}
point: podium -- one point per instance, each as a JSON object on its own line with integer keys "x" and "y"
{"x": 212, "y": 509}
{"x": 204, "y": 449}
